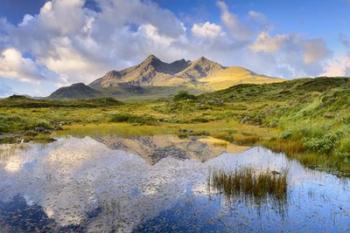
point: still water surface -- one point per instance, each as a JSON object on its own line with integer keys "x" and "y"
{"x": 157, "y": 184}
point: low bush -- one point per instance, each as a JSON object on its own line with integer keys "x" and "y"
{"x": 345, "y": 145}
{"x": 323, "y": 145}
{"x": 184, "y": 95}
{"x": 129, "y": 118}
{"x": 43, "y": 124}
{"x": 185, "y": 133}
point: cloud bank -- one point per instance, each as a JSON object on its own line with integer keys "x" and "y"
{"x": 67, "y": 42}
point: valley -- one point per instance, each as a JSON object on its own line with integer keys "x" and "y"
{"x": 163, "y": 116}
{"x": 305, "y": 118}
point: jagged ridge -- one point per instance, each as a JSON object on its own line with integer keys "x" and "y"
{"x": 200, "y": 75}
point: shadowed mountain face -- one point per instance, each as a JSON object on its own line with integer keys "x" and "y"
{"x": 75, "y": 91}
{"x": 199, "y": 69}
{"x": 199, "y": 74}
{"x": 154, "y": 72}
{"x": 154, "y": 77}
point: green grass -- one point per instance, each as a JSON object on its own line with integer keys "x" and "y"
{"x": 134, "y": 119}
{"x": 308, "y": 119}
{"x": 258, "y": 187}
{"x": 311, "y": 114}
{"x": 25, "y": 102}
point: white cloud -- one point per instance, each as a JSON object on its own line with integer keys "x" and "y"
{"x": 80, "y": 45}
{"x": 338, "y": 66}
{"x": 206, "y": 30}
{"x": 152, "y": 33}
{"x": 238, "y": 30}
{"x": 13, "y": 65}
{"x": 26, "y": 19}
{"x": 65, "y": 58}
{"x": 268, "y": 44}
{"x": 296, "y": 55}
{"x": 62, "y": 16}
{"x": 76, "y": 44}
{"x": 315, "y": 50}
{"x": 257, "y": 16}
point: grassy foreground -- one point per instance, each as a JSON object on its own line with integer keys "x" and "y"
{"x": 308, "y": 119}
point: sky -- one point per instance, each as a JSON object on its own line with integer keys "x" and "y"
{"x": 48, "y": 44}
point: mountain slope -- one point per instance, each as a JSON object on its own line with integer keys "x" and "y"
{"x": 235, "y": 75}
{"x": 200, "y": 68}
{"x": 75, "y": 91}
{"x": 154, "y": 78}
{"x": 151, "y": 72}
{"x": 202, "y": 74}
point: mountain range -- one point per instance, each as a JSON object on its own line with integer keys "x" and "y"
{"x": 155, "y": 78}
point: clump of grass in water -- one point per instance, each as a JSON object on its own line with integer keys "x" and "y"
{"x": 254, "y": 187}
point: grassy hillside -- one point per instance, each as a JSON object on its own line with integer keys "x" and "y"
{"x": 18, "y": 101}
{"x": 136, "y": 93}
{"x": 234, "y": 76}
{"x": 312, "y": 115}
{"x": 307, "y": 118}
{"x": 75, "y": 91}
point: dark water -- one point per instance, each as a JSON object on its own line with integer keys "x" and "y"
{"x": 156, "y": 184}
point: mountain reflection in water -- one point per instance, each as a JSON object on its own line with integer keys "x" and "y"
{"x": 156, "y": 184}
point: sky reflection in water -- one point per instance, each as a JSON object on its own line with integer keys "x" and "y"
{"x": 155, "y": 184}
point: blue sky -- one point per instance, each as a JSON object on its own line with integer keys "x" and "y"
{"x": 47, "y": 44}
{"x": 313, "y": 18}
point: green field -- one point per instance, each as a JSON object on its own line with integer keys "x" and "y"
{"x": 308, "y": 119}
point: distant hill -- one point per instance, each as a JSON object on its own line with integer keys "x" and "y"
{"x": 292, "y": 90}
{"x": 155, "y": 78}
{"x": 18, "y": 97}
{"x": 235, "y": 75}
{"x": 75, "y": 91}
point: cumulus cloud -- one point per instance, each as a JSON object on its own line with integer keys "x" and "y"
{"x": 152, "y": 33}
{"x": 238, "y": 30}
{"x": 14, "y": 65}
{"x": 73, "y": 43}
{"x": 298, "y": 56}
{"x": 315, "y": 50}
{"x": 206, "y": 30}
{"x": 268, "y": 44}
{"x": 338, "y": 66}
{"x": 80, "y": 44}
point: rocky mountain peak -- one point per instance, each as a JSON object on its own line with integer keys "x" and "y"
{"x": 200, "y": 68}
{"x": 204, "y": 60}
{"x": 152, "y": 60}
{"x": 202, "y": 74}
